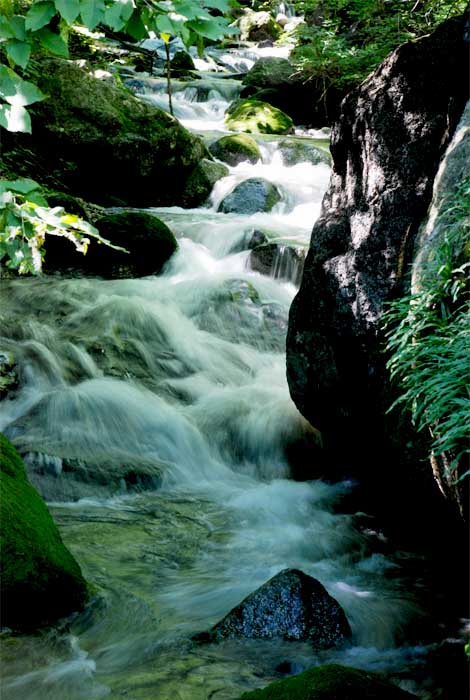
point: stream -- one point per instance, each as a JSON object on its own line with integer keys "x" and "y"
{"x": 156, "y": 421}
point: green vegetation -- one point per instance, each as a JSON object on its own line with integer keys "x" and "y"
{"x": 40, "y": 581}
{"x": 26, "y": 219}
{"x": 428, "y": 335}
{"x": 330, "y": 682}
{"x": 342, "y": 41}
{"x": 256, "y": 117}
{"x": 236, "y": 148}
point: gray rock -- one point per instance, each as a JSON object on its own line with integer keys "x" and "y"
{"x": 291, "y": 606}
{"x": 276, "y": 259}
{"x": 386, "y": 148}
{"x": 251, "y": 196}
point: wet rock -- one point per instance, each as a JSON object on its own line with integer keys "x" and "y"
{"x": 258, "y": 26}
{"x": 149, "y": 243}
{"x": 41, "y": 581}
{"x": 236, "y": 148}
{"x": 182, "y": 62}
{"x": 257, "y": 117}
{"x": 201, "y": 182}
{"x": 8, "y": 373}
{"x": 291, "y": 606}
{"x": 328, "y": 683}
{"x": 276, "y": 259}
{"x": 251, "y": 196}
{"x": 100, "y": 142}
{"x": 296, "y": 151}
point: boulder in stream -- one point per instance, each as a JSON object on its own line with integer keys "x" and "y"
{"x": 276, "y": 258}
{"x": 236, "y": 148}
{"x": 201, "y": 182}
{"x": 251, "y": 196}
{"x": 291, "y": 606}
{"x": 257, "y": 117}
{"x": 149, "y": 243}
{"x": 258, "y": 26}
{"x": 40, "y": 581}
{"x": 331, "y": 682}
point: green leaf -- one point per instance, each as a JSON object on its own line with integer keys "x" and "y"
{"x": 18, "y": 51}
{"x": 18, "y": 27}
{"x": 135, "y": 26}
{"x": 39, "y": 14}
{"x": 69, "y": 9}
{"x": 53, "y": 43}
{"x": 23, "y": 185}
{"x": 118, "y": 14}
{"x": 92, "y": 12}
{"x": 165, "y": 25}
{"x": 16, "y": 91}
{"x": 210, "y": 29}
{"x": 15, "y": 118}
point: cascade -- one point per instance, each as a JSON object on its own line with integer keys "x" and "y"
{"x": 155, "y": 416}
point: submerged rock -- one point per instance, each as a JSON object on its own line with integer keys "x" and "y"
{"x": 331, "y": 682}
{"x": 290, "y": 606}
{"x": 100, "y": 142}
{"x": 40, "y": 581}
{"x": 201, "y": 182}
{"x": 251, "y": 196}
{"x": 149, "y": 243}
{"x": 235, "y": 149}
{"x": 257, "y": 117}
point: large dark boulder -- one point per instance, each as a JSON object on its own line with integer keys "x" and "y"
{"x": 148, "y": 241}
{"x": 40, "y": 580}
{"x": 291, "y": 606}
{"x": 201, "y": 182}
{"x": 251, "y": 196}
{"x": 386, "y": 148}
{"x": 100, "y": 142}
{"x": 331, "y": 682}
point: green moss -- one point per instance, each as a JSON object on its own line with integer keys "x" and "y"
{"x": 330, "y": 682}
{"x": 253, "y": 116}
{"x": 40, "y": 579}
{"x": 236, "y": 148}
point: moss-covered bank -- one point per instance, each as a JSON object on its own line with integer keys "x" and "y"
{"x": 330, "y": 682}
{"x": 40, "y": 579}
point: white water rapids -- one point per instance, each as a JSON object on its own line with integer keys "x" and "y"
{"x": 176, "y": 384}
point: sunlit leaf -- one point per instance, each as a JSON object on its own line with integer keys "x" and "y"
{"x": 18, "y": 51}
{"x": 39, "y": 14}
{"x": 92, "y": 12}
{"x": 53, "y": 43}
{"x": 17, "y": 91}
{"x": 15, "y": 118}
{"x": 69, "y": 9}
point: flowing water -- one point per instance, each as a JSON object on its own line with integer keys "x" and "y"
{"x": 156, "y": 420}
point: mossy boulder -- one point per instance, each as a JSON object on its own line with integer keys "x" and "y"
{"x": 258, "y": 26}
{"x": 201, "y": 182}
{"x": 97, "y": 140}
{"x": 149, "y": 242}
{"x": 8, "y": 373}
{"x": 182, "y": 64}
{"x": 40, "y": 580}
{"x": 256, "y": 117}
{"x": 251, "y": 196}
{"x": 291, "y": 606}
{"x": 330, "y": 682}
{"x": 236, "y": 148}
{"x": 295, "y": 150}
